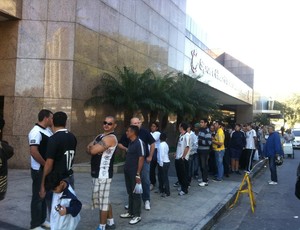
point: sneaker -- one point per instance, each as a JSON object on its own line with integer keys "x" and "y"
{"x": 46, "y": 224}
{"x": 217, "y": 180}
{"x": 126, "y": 206}
{"x": 203, "y": 184}
{"x": 135, "y": 220}
{"x": 181, "y": 193}
{"x": 126, "y": 215}
{"x": 151, "y": 187}
{"x": 110, "y": 226}
{"x": 37, "y": 228}
{"x": 147, "y": 205}
{"x": 176, "y": 184}
{"x": 272, "y": 183}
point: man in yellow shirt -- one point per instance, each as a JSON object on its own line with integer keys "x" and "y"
{"x": 219, "y": 150}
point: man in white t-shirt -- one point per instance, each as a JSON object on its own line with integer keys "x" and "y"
{"x": 38, "y": 140}
{"x": 183, "y": 147}
{"x": 251, "y": 139}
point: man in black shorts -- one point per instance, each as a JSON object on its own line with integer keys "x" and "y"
{"x": 60, "y": 151}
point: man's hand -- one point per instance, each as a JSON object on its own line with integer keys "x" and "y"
{"x": 42, "y": 192}
{"x": 138, "y": 179}
{"x": 62, "y": 211}
{"x": 149, "y": 159}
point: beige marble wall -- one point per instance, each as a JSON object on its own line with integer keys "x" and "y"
{"x": 11, "y": 7}
{"x": 56, "y": 54}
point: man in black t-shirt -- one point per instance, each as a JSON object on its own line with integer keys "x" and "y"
{"x": 60, "y": 151}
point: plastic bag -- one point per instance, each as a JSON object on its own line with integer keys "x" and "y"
{"x": 256, "y": 156}
{"x": 138, "y": 189}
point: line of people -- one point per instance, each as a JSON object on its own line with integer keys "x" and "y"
{"x": 202, "y": 147}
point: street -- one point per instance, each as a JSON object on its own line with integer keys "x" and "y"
{"x": 276, "y": 205}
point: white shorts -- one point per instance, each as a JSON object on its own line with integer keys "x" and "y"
{"x": 100, "y": 196}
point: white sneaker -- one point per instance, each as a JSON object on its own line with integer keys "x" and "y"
{"x": 272, "y": 183}
{"x": 151, "y": 187}
{"x": 203, "y": 184}
{"x": 126, "y": 215}
{"x": 181, "y": 193}
{"x": 135, "y": 220}
{"x": 46, "y": 224}
{"x": 147, "y": 205}
{"x": 37, "y": 228}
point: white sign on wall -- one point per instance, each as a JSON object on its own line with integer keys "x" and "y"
{"x": 215, "y": 75}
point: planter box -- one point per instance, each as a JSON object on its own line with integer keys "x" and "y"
{"x": 86, "y": 167}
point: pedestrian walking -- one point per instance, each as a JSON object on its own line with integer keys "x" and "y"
{"x": 102, "y": 149}
{"x": 164, "y": 165}
{"x": 134, "y": 162}
{"x": 204, "y": 145}
{"x": 38, "y": 139}
{"x": 273, "y": 149}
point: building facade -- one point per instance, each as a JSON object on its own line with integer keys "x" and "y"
{"x": 53, "y": 52}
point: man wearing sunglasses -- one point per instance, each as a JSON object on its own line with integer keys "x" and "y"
{"x": 102, "y": 149}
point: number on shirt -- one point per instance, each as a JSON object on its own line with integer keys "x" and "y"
{"x": 69, "y": 158}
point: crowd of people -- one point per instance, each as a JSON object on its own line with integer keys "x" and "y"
{"x": 202, "y": 149}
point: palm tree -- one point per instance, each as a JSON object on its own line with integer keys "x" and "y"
{"x": 126, "y": 91}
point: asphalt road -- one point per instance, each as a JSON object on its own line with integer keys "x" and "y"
{"x": 276, "y": 205}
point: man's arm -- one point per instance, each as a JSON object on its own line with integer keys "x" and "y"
{"x": 140, "y": 166}
{"x": 185, "y": 152}
{"x": 152, "y": 149}
{"x": 47, "y": 169}
{"x": 103, "y": 145}
{"x": 34, "y": 152}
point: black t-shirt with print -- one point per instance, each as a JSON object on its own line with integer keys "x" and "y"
{"x": 61, "y": 148}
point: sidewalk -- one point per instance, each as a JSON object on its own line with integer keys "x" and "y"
{"x": 192, "y": 211}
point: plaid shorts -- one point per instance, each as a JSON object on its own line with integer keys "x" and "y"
{"x": 100, "y": 197}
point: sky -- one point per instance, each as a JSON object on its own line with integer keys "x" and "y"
{"x": 263, "y": 34}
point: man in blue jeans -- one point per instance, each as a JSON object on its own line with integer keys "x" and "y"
{"x": 272, "y": 150}
{"x": 219, "y": 150}
{"x": 147, "y": 138}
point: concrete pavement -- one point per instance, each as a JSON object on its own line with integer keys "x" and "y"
{"x": 197, "y": 210}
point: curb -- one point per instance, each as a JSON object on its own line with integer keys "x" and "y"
{"x": 211, "y": 218}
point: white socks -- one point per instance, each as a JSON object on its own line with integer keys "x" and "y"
{"x": 110, "y": 222}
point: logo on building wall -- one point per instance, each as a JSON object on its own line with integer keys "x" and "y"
{"x": 203, "y": 67}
